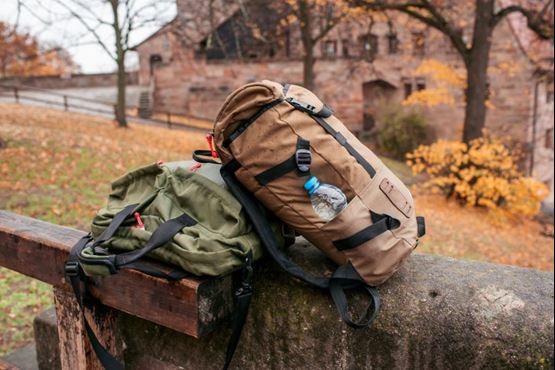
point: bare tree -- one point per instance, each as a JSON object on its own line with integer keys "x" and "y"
{"x": 315, "y": 19}
{"x": 122, "y": 17}
{"x": 444, "y": 16}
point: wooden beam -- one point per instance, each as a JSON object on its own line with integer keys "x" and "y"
{"x": 38, "y": 249}
{"x": 75, "y": 349}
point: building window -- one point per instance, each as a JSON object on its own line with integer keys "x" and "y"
{"x": 393, "y": 43}
{"x": 165, "y": 42}
{"x": 420, "y": 84}
{"x": 154, "y": 61}
{"x": 549, "y": 139}
{"x": 419, "y": 43}
{"x": 345, "y": 48}
{"x": 408, "y": 89}
{"x": 370, "y": 47}
{"x": 330, "y": 49}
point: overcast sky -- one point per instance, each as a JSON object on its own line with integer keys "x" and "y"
{"x": 72, "y": 35}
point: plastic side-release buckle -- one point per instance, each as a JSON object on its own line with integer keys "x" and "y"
{"x": 71, "y": 268}
{"x": 303, "y": 157}
{"x": 302, "y": 106}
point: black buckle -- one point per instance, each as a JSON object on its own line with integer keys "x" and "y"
{"x": 302, "y": 106}
{"x": 303, "y": 157}
{"x": 246, "y": 278}
{"x": 71, "y": 268}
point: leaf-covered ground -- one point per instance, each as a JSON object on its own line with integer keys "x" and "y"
{"x": 58, "y": 167}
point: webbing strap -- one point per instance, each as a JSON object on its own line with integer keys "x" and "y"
{"x": 77, "y": 281}
{"x": 204, "y": 156}
{"x": 118, "y": 219}
{"x": 277, "y": 171}
{"x": 108, "y": 361}
{"x": 300, "y": 161}
{"x": 319, "y": 118}
{"x": 173, "y": 275}
{"x": 382, "y": 223}
{"x": 343, "y": 141}
{"x": 243, "y": 297}
{"x": 163, "y": 234}
{"x": 346, "y": 278}
{"x": 263, "y": 228}
{"x": 245, "y": 125}
{"x": 421, "y": 224}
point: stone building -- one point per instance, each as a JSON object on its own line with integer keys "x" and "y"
{"x": 362, "y": 67}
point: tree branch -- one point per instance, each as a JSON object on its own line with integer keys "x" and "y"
{"x": 432, "y": 17}
{"x": 541, "y": 27}
{"x": 88, "y": 27}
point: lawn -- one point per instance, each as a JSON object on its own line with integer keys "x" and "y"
{"x": 58, "y": 167}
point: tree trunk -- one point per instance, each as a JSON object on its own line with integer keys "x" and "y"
{"x": 477, "y": 71}
{"x": 121, "y": 102}
{"x": 308, "y": 44}
{"x": 308, "y": 68}
{"x": 120, "y": 60}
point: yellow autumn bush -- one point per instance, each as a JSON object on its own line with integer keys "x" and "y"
{"x": 483, "y": 173}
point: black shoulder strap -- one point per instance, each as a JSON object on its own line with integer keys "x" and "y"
{"x": 75, "y": 278}
{"x": 344, "y": 278}
{"x": 264, "y": 230}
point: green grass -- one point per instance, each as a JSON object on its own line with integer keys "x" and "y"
{"x": 22, "y": 299}
{"x": 58, "y": 167}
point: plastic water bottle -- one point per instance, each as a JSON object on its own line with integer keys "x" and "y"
{"x": 327, "y": 200}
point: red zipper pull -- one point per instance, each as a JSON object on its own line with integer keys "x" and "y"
{"x": 195, "y": 167}
{"x": 140, "y": 224}
{"x": 209, "y": 138}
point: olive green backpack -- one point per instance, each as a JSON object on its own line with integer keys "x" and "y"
{"x": 178, "y": 213}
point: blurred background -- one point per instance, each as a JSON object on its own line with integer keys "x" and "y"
{"x": 455, "y": 96}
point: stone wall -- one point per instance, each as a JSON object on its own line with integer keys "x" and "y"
{"x": 73, "y": 81}
{"x": 437, "y": 313}
{"x": 186, "y": 82}
{"x": 543, "y": 141}
{"x": 195, "y": 86}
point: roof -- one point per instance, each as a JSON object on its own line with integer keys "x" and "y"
{"x": 157, "y": 33}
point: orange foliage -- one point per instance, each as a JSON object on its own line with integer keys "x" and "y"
{"x": 22, "y": 55}
{"x": 482, "y": 173}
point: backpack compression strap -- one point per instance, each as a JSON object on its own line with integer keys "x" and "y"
{"x": 344, "y": 278}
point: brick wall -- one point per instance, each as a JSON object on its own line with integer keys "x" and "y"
{"x": 186, "y": 83}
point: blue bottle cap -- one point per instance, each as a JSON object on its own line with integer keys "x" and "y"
{"x": 311, "y": 184}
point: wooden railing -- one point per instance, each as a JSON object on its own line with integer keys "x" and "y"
{"x": 192, "y": 306}
{"x": 68, "y": 102}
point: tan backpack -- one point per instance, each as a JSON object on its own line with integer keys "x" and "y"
{"x": 270, "y": 138}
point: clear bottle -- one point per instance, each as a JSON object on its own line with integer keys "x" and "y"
{"x": 327, "y": 200}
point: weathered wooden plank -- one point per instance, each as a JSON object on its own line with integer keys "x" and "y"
{"x": 6, "y": 366}
{"x": 39, "y": 249}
